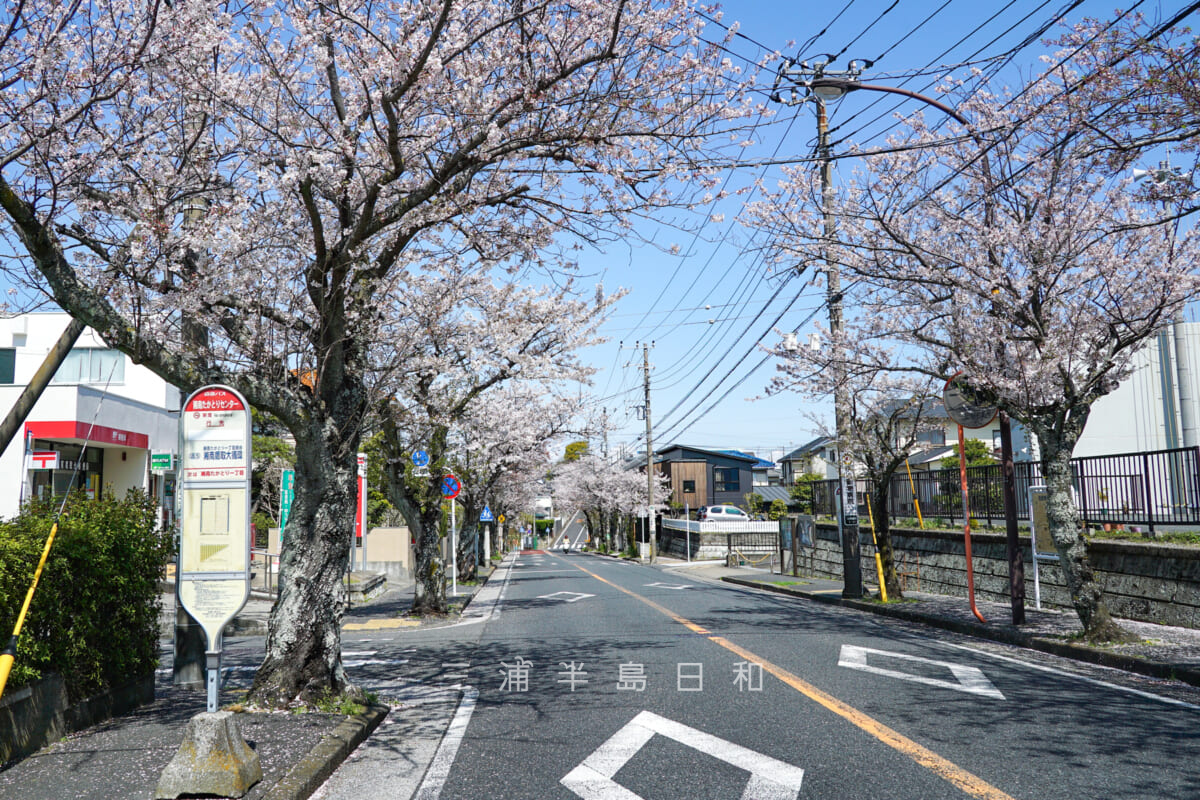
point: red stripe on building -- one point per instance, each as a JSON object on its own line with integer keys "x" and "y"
{"x": 100, "y": 434}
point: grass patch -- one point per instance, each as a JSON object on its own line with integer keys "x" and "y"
{"x": 1176, "y": 537}
{"x": 339, "y": 704}
{"x": 792, "y": 583}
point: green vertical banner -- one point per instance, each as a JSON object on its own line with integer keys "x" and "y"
{"x": 287, "y": 493}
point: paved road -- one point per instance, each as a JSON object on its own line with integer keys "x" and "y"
{"x": 583, "y": 676}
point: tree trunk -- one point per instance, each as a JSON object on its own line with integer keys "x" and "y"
{"x": 883, "y": 539}
{"x": 468, "y": 545}
{"x": 304, "y": 640}
{"x": 1086, "y": 595}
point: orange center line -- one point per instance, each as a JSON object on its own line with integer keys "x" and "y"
{"x": 968, "y": 782}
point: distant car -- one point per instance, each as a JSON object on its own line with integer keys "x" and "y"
{"x": 722, "y": 514}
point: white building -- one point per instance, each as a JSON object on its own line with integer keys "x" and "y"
{"x": 1155, "y": 408}
{"x": 99, "y": 398}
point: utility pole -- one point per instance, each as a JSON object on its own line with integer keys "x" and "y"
{"x": 188, "y": 667}
{"x": 848, "y": 511}
{"x": 649, "y": 455}
{"x": 604, "y": 434}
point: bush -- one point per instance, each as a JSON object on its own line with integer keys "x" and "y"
{"x": 94, "y": 618}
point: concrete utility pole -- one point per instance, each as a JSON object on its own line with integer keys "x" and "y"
{"x": 848, "y": 511}
{"x": 825, "y": 85}
{"x": 649, "y": 455}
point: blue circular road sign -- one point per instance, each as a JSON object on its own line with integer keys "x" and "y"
{"x": 420, "y": 458}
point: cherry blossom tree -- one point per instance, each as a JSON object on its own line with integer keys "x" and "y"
{"x": 604, "y": 490}
{"x": 1142, "y": 80}
{"x": 504, "y": 436}
{"x": 234, "y": 207}
{"x": 470, "y": 336}
{"x": 1024, "y": 264}
{"x": 887, "y": 411}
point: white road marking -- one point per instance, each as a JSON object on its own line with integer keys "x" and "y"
{"x": 770, "y": 779}
{"x": 967, "y": 679}
{"x": 670, "y": 585}
{"x": 443, "y": 759}
{"x": 358, "y": 653}
{"x": 566, "y": 597}
{"x": 1065, "y": 674}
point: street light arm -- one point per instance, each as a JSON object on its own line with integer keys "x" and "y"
{"x": 945, "y": 109}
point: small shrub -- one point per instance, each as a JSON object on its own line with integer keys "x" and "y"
{"x": 94, "y": 618}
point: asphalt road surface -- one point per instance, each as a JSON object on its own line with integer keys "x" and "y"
{"x": 586, "y": 677}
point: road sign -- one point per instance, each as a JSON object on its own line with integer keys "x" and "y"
{"x": 420, "y": 458}
{"x": 500, "y": 519}
{"x": 43, "y": 459}
{"x": 216, "y": 436}
{"x": 162, "y": 462}
{"x": 486, "y": 516}
{"x": 450, "y": 486}
{"x": 214, "y": 541}
{"x": 287, "y": 495}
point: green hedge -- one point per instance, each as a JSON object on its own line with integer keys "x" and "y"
{"x": 95, "y": 614}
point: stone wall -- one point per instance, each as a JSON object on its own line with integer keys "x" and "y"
{"x": 1141, "y": 580}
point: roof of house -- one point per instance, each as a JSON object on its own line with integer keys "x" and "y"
{"x": 811, "y": 447}
{"x": 932, "y": 454}
{"x": 723, "y": 453}
{"x": 772, "y": 493}
{"x": 759, "y": 463}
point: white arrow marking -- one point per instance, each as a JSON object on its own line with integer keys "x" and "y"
{"x": 967, "y": 679}
{"x": 566, "y": 597}
{"x": 670, "y": 585}
{"x": 770, "y": 779}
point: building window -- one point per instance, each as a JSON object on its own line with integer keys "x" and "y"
{"x": 726, "y": 480}
{"x": 996, "y": 444}
{"x": 933, "y": 437}
{"x": 689, "y": 487}
{"x": 92, "y": 365}
{"x": 8, "y": 364}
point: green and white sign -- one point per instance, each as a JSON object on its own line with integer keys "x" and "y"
{"x": 162, "y": 462}
{"x": 287, "y": 493}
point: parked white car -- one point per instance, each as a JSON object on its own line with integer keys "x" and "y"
{"x": 722, "y": 514}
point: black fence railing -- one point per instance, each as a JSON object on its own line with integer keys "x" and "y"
{"x": 1161, "y": 487}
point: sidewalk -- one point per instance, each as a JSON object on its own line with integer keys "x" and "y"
{"x": 1161, "y": 651}
{"x": 124, "y": 757}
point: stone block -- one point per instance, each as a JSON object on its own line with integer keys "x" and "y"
{"x": 213, "y": 759}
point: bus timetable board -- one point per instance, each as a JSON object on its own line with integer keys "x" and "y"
{"x": 214, "y": 542}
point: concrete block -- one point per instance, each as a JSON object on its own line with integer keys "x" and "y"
{"x": 213, "y": 759}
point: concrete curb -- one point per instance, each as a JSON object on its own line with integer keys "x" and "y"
{"x": 319, "y": 763}
{"x": 1078, "y": 652}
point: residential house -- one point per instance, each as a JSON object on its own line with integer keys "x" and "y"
{"x": 819, "y": 456}
{"x": 764, "y": 472}
{"x": 701, "y": 477}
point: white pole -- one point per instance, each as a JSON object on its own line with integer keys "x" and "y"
{"x": 687, "y": 529}
{"x": 453, "y": 554}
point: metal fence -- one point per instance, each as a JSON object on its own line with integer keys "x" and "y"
{"x": 1160, "y": 487}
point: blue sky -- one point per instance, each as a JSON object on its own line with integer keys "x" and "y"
{"x": 706, "y": 310}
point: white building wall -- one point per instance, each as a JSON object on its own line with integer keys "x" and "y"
{"x": 1155, "y": 408}
{"x": 140, "y": 402}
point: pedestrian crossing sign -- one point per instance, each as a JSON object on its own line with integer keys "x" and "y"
{"x": 486, "y": 516}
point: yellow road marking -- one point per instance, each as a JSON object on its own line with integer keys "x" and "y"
{"x": 966, "y": 781}
{"x": 379, "y": 624}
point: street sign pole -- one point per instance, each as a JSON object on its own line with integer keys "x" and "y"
{"x": 453, "y": 553}
{"x": 213, "y": 575}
